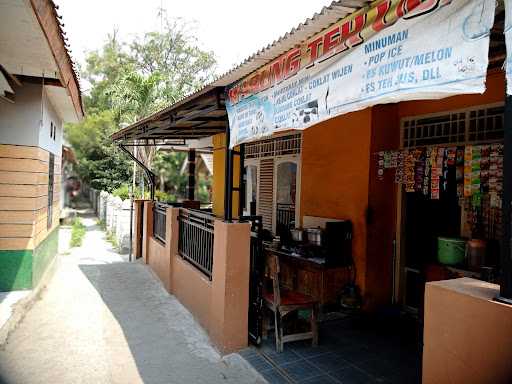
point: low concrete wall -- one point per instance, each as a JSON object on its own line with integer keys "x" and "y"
{"x": 467, "y": 335}
{"x": 115, "y": 213}
{"x": 220, "y": 305}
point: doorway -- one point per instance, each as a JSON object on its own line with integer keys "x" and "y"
{"x": 454, "y": 214}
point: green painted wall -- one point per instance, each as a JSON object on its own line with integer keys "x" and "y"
{"x": 15, "y": 270}
{"x": 23, "y": 269}
{"x": 44, "y": 255}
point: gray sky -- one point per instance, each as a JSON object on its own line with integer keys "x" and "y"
{"x": 233, "y": 29}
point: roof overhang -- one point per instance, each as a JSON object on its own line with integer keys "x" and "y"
{"x": 203, "y": 113}
{"x": 33, "y": 45}
{"x": 160, "y": 127}
{"x": 189, "y": 121}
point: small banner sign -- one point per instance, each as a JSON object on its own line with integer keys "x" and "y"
{"x": 395, "y": 50}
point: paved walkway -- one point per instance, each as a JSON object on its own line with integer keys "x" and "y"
{"x": 103, "y": 320}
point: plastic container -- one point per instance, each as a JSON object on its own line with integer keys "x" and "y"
{"x": 451, "y": 251}
{"x": 475, "y": 253}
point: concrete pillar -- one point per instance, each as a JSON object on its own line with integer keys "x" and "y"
{"x": 230, "y": 286}
{"x": 147, "y": 229}
{"x": 138, "y": 234}
{"x": 467, "y": 335}
{"x": 172, "y": 237}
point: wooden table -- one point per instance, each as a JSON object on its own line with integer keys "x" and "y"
{"x": 311, "y": 276}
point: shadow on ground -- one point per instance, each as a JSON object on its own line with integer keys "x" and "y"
{"x": 165, "y": 342}
{"x": 356, "y": 349}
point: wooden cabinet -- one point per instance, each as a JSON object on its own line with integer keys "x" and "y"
{"x": 312, "y": 278}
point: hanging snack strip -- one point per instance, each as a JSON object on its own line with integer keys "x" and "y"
{"x": 475, "y": 177}
{"x": 479, "y": 170}
{"x": 496, "y": 175}
{"x": 459, "y": 172}
{"x": 427, "y": 173}
{"x": 409, "y": 164}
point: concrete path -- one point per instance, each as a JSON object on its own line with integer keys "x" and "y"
{"x": 104, "y": 320}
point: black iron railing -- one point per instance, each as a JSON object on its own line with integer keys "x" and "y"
{"x": 285, "y": 215}
{"x": 195, "y": 242}
{"x": 257, "y": 266}
{"x": 159, "y": 221}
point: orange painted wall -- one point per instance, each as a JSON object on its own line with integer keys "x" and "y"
{"x": 381, "y": 218}
{"x": 466, "y": 334}
{"x": 494, "y": 93}
{"x": 334, "y": 175}
{"x": 339, "y": 178}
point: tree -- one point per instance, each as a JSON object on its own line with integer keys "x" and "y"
{"x": 174, "y": 55}
{"x": 103, "y": 68}
{"x": 129, "y": 81}
{"x": 100, "y": 164}
{"x": 168, "y": 166}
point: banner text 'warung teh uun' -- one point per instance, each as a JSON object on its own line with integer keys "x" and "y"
{"x": 394, "y": 50}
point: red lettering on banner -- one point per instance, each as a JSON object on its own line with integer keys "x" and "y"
{"x": 254, "y": 83}
{"x": 233, "y": 94}
{"x": 338, "y": 38}
{"x": 276, "y": 70}
{"x": 292, "y": 62}
{"x": 331, "y": 39}
{"x": 357, "y": 25}
{"x": 380, "y": 20}
{"x": 265, "y": 80}
{"x": 413, "y": 8}
{"x": 314, "y": 49}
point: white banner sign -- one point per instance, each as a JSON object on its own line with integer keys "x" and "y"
{"x": 395, "y": 51}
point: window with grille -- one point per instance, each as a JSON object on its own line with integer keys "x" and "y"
{"x": 263, "y": 154}
{"x": 480, "y": 124}
{"x": 280, "y": 146}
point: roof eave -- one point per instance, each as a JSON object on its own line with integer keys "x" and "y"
{"x": 46, "y": 14}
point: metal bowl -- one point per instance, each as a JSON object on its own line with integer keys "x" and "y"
{"x": 314, "y": 236}
{"x": 297, "y": 234}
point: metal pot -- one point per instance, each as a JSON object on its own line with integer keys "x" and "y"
{"x": 314, "y": 236}
{"x": 297, "y": 234}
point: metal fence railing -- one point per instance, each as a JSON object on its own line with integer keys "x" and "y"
{"x": 159, "y": 221}
{"x": 195, "y": 241}
{"x": 257, "y": 269}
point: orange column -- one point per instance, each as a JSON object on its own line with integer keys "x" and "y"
{"x": 230, "y": 286}
{"x": 147, "y": 229}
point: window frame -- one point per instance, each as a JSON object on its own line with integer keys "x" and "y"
{"x": 294, "y": 158}
{"x": 252, "y": 163}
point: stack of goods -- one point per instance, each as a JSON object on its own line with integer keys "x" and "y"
{"x": 478, "y": 177}
{"x": 478, "y": 169}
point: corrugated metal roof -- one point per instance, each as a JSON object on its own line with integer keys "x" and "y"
{"x": 67, "y": 47}
{"x": 330, "y": 14}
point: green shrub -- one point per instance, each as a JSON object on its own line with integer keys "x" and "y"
{"x": 123, "y": 192}
{"x": 77, "y": 232}
{"x": 102, "y": 224}
{"x": 165, "y": 197}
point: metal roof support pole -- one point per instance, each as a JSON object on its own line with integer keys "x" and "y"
{"x": 150, "y": 175}
{"x": 241, "y": 183}
{"x": 506, "y": 249}
{"x": 191, "y": 186}
{"x": 228, "y": 179}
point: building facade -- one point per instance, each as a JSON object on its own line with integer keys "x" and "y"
{"x": 43, "y": 95}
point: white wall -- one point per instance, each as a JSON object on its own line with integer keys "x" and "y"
{"x": 45, "y": 141}
{"x": 20, "y": 121}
